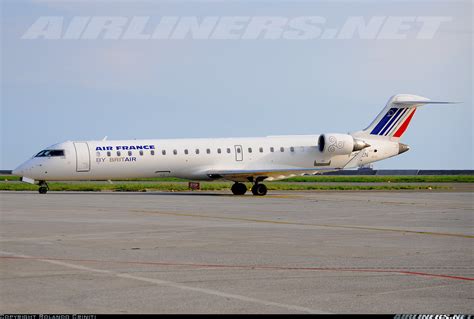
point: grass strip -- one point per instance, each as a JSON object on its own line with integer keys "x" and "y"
{"x": 327, "y": 179}
{"x": 205, "y": 186}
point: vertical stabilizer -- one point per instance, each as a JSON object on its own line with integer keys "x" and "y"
{"x": 397, "y": 114}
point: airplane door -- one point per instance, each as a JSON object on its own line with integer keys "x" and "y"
{"x": 83, "y": 160}
{"x": 239, "y": 154}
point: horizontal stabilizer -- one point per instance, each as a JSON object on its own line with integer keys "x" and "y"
{"x": 416, "y": 103}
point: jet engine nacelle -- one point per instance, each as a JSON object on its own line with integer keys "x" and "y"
{"x": 339, "y": 144}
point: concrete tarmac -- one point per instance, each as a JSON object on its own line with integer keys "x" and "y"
{"x": 211, "y": 252}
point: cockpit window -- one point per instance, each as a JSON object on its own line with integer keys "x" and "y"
{"x": 50, "y": 153}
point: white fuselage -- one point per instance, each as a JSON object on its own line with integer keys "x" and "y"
{"x": 247, "y": 159}
{"x": 193, "y": 158}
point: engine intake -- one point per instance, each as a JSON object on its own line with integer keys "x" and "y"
{"x": 340, "y": 144}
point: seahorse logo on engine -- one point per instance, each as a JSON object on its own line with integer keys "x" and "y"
{"x": 333, "y": 144}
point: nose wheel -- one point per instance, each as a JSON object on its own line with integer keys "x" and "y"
{"x": 43, "y": 187}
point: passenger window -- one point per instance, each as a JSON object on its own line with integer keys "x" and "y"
{"x": 272, "y": 149}
{"x": 163, "y": 152}
{"x": 219, "y": 151}
{"x": 175, "y": 152}
{"x": 238, "y": 150}
{"x": 197, "y": 150}
{"x": 97, "y": 154}
{"x": 282, "y": 149}
{"x": 152, "y": 152}
{"x": 292, "y": 149}
{"x": 130, "y": 153}
{"x": 109, "y": 154}
{"x": 250, "y": 150}
{"x": 186, "y": 151}
{"x": 228, "y": 150}
{"x": 208, "y": 151}
{"x": 261, "y": 149}
{"x": 118, "y": 153}
{"x": 141, "y": 153}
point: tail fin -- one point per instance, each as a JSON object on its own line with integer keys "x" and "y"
{"x": 394, "y": 119}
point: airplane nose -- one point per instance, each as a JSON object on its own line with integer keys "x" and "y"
{"x": 20, "y": 170}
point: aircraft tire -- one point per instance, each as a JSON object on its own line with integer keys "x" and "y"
{"x": 239, "y": 189}
{"x": 259, "y": 190}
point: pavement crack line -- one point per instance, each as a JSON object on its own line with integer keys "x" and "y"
{"x": 167, "y": 283}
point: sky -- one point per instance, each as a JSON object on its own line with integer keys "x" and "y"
{"x": 57, "y": 89}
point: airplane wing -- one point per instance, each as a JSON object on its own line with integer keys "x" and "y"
{"x": 264, "y": 174}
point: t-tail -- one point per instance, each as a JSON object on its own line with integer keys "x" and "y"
{"x": 395, "y": 117}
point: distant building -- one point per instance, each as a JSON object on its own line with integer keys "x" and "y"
{"x": 366, "y": 167}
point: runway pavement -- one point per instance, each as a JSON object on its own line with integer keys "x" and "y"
{"x": 211, "y": 252}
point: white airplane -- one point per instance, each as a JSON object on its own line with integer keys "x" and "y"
{"x": 239, "y": 160}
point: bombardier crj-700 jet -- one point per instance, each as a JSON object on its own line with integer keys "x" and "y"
{"x": 240, "y": 160}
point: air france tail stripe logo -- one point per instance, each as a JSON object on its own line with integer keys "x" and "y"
{"x": 400, "y": 119}
{"x": 389, "y": 123}
{"x": 394, "y": 119}
{"x": 404, "y": 126}
{"x": 384, "y": 121}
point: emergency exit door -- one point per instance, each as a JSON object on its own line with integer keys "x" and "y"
{"x": 239, "y": 153}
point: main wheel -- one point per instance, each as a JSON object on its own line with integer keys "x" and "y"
{"x": 43, "y": 190}
{"x": 259, "y": 189}
{"x": 239, "y": 189}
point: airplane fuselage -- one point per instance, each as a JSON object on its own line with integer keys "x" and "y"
{"x": 189, "y": 158}
{"x": 247, "y": 159}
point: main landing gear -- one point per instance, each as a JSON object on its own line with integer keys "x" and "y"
{"x": 43, "y": 187}
{"x": 241, "y": 189}
{"x": 259, "y": 189}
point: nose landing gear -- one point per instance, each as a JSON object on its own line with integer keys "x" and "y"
{"x": 43, "y": 187}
